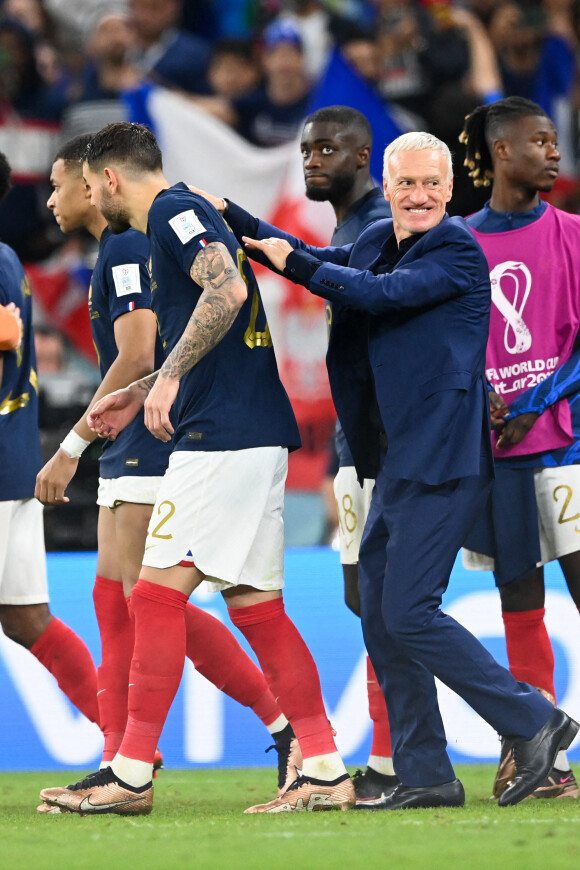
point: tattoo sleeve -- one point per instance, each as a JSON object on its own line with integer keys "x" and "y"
{"x": 145, "y": 384}
{"x": 224, "y": 292}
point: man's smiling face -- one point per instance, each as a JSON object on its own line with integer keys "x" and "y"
{"x": 418, "y": 187}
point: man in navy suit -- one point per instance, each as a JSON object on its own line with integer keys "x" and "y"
{"x": 411, "y": 302}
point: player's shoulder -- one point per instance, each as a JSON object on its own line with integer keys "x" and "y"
{"x": 564, "y": 218}
{"x": 9, "y": 257}
{"x": 128, "y": 247}
{"x": 177, "y": 211}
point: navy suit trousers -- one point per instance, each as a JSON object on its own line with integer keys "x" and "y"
{"x": 412, "y": 536}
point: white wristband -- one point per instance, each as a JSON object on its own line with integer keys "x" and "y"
{"x": 73, "y": 445}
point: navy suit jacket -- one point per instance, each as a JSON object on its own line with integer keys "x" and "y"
{"x": 407, "y": 349}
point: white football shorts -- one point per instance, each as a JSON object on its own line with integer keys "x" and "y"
{"x": 558, "y": 505}
{"x": 114, "y": 491}
{"x": 22, "y": 553}
{"x": 353, "y": 503}
{"x": 222, "y": 512}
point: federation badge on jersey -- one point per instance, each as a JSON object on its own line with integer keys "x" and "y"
{"x": 127, "y": 279}
{"x": 186, "y": 226}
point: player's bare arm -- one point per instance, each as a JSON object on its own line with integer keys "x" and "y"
{"x": 224, "y": 293}
{"x": 135, "y": 334}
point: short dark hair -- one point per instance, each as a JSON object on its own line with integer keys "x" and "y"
{"x": 346, "y": 117}
{"x": 486, "y": 124}
{"x": 73, "y": 151}
{"x": 125, "y": 142}
{"x": 243, "y": 49}
{"x": 5, "y": 181}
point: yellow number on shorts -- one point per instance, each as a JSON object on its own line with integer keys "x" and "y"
{"x": 567, "y": 499}
{"x": 251, "y": 337}
{"x": 348, "y": 512}
{"x": 168, "y": 515}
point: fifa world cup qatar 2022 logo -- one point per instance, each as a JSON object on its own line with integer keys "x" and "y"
{"x": 514, "y": 280}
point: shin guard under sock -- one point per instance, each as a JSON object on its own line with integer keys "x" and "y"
{"x": 117, "y": 642}
{"x": 68, "y": 659}
{"x": 218, "y": 656}
{"x": 381, "y": 745}
{"x": 529, "y": 649}
{"x": 289, "y": 670}
{"x": 156, "y": 668}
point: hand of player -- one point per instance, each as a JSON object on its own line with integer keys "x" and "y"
{"x": 158, "y": 405}
{"x": 516, "y": 429}
{"x": 111, "y": 414}
{"x": 53, "y": 479}
{"x": 498, "y": 410}
{"x": 218, "y": 202}
{"x": 276, "y": 250}
{"x": 14, "y": 331}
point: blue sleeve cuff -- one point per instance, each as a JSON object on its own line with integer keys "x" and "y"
{"x": 300, "y": 267}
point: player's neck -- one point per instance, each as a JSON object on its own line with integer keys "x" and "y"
{"x": 512, "y": 198}
{"x": 359, "y": 189}
{"x": 96, "y": 225}
{"x": 142, "y": 197}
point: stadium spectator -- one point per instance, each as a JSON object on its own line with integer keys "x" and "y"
{"x": 103, "y": 78}
{"x": 30, "y": 124}
{"x": 161, "y": 51}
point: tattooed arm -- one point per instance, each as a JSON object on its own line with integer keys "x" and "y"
{"x": 224, "y": 293}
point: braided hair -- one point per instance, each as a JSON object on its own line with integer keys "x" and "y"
{"x": 486, "y": 124}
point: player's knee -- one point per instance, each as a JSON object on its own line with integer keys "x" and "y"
{"x": 24, "y": 625}
{"x": 520, "y": 595}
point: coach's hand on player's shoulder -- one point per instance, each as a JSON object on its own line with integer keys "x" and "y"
{"x": 53, "y": 479}
{"x": 111, "y": 414}
{"x": 276, "y": 250}
{"x": 158, "y": 406}
{"x": 516, "y": 429}
{"x": 218, "y": 202}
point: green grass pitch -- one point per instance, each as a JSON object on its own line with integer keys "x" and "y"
{"x": 197, "y": 822}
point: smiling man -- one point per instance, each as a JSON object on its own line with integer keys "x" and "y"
{"x": 411, "y": 301}
{"x": 533, "y": 363}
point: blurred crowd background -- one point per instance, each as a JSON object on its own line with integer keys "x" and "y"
{"x": 255, "y": 65}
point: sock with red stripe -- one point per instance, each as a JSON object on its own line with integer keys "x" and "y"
{"x": 218, "y": 656}
{"x": 529, "y": 649}
{"x": 117, "y": 642}
{"x": 380, "y": 757}
{"x": 68, "y": 659}
{"x": 156, "y": 668}
{"x": 292, "y": 675}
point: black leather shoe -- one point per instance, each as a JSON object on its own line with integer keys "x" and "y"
{"x": 535, "y": 757}
{"x": 406, "y": 797}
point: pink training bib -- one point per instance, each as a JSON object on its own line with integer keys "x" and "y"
{"x": 535, "y": 292}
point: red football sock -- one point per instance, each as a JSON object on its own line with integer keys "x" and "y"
{"x": 529, "y": 649}
{"x": 381, "y": 746}
{"x": 289, "y": 670}
{"x": 68, "y": 659}
{"x": 117, "y": 641}
{"x": 156, "y": 668}
{"x": 217, "y": 655}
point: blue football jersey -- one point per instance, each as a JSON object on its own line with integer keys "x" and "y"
{"x": 20, "y": 456}
{"x": 120, "y": 284}
{"x": 233, "y": 398}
